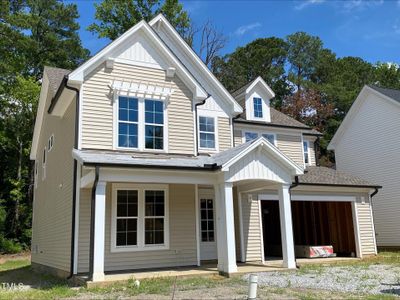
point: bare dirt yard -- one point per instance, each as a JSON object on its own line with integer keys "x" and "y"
{"x": 374, "y": 278}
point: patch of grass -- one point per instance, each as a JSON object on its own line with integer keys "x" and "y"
{"x": 14, "y": 264}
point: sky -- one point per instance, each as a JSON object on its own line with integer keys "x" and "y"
{"x": 367, "y": 29}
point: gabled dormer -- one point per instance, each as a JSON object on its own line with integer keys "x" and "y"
{"x": 255, "y": 99}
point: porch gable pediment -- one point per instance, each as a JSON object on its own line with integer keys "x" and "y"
{"x": 262, "y": 161}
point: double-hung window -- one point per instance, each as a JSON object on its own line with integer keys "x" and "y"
{"x": 154, "y": 124}
{"x": 207, "y": 132}
{"x": 128, "y": 118}
{"x": 139, "y": 217}
{"x": 306, "y": 152}
{"x": 257, "y": 106}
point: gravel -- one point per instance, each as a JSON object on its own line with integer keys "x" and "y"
{"x": 373, "y": 279}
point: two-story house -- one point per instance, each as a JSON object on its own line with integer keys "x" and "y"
{"x": 144, "y": 160}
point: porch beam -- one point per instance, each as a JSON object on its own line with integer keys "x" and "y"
{"x": 285, "y": 212}
{"x": 99, "y": 232}
{"x": 226, "y": 229}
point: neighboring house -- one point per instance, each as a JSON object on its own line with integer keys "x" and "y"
{"x": 144, "y": 160}
{"x": 367, "y": 144}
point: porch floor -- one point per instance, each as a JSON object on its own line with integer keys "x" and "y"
{"x": 271, "y": 264}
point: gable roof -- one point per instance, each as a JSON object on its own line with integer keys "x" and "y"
{"x": 278, "y": 118}
{"x": 247, "y": 87}
{"x": 78, "y": 74}
{"x": 390, "y": 95}
{"x": 55, "y": 76}
{"x": 197, "y": 62}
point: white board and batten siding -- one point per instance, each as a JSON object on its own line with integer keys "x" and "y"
{"x": 369, "y": 148}
{"x": 182, "y": 235}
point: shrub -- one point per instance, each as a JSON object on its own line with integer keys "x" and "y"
{"x": 9, "y": 246}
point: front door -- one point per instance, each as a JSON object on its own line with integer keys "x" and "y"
{"x": 208, "y": 238}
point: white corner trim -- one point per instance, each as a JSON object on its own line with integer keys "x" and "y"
{"x": 372, "y": 223}
{"x": 356, "y": 226}
{"x": 77, "y": 210}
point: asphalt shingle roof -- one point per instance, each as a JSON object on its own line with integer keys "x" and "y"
{"x": 55, "y": 76}
{"x": 391, "y": 93}
{"x": 328, "y": 176}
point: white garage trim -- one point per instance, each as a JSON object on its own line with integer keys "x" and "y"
{"x": 331, "y": 198}
{"x": 356, "y": 229}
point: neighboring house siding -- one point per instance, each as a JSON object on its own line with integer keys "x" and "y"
{"x": 251, "y": 229}
{"x": 312, "y": 153}
{"x": 366, "y": 229}
{"x": 183, "y": 247}
{"x": 52, "y": 205}
{"x": 369, "y": 148}
{"x": 97, "y": 114}
{"x": 224, "y": 134}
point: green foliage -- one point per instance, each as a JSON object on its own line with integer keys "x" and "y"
{"x": 114, "y": 17}
{"x": 33, "y": 33}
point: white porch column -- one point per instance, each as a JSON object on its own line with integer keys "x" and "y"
{"x": 99, "y": 232}
{"x": 285, "y": 213}
{"x": 225, "y": 228}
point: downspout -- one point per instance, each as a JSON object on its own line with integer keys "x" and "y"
{"x": 92, "y": 215}
{"x": 71, "y": 272}
{"x": 196, "y": 122}
{"x": 233, "y": 128}
{"x": 317, "y": 150}
{"x": 372, "y": 214}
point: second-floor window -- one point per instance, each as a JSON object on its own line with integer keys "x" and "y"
{"x": 306, "y": 152}
{"x": 140, "y": 123}
{"x": 269, "y": 137}
{"x": 257, "y": 103}
{"x": 128, "y": 118}
{"x": 249, "y": 136}
{"x": 207, "y": 132}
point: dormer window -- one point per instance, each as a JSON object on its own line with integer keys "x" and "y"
{"x": 257, "y": 104}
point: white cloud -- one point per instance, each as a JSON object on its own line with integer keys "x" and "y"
{"x": 245, "y": 28}
{"x": 306, "y": 3}
{"x": 361, "y": 4}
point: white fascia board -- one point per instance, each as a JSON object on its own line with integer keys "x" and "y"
{"x": 77, "y": 76}
{"x": 263, "y": 84}
{"x": 236, "y": 108}
{"x": 355, "y": 107}
{"x": 40, "y": 115}
{"x": 262, "y": 142}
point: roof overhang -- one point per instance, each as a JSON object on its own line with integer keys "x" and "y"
{"x": 263, "y": 85}
{"x": 78, "y": 75}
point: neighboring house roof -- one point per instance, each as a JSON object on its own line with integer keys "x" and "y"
{"x": 216, "y": 161}
{"x": 327, "y": 176}
{"x": 55, "y": 76}
{"x": 390, "y": 95}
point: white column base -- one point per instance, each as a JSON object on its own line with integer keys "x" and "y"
{"x": 98, "y": 277}
{"x": 285, "y": 212}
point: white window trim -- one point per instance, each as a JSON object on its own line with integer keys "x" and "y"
{"x": 262, "y": 108}
{"x": 216, "y": 148}
{"x": 44, "y": 163}
{"x": 259, "y": 133}
{"x": 308, "y": 152}
{"x": 140, "y": 245}
{"x": 141, "y": 125}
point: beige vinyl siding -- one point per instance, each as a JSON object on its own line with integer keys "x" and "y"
{"x": 84, "y": 230}
{"x": 224, "y": 133}
{"x": 238, "y": 137}
{"x": 182, "y": 224}
{"x": 291, "y": 145}
{"x": 97, "y": 112}
{"x": 251, "y": 230}
{"x": 52, "y": 205}
{"x": 366, "y": 229}
{"x": 369, "y": 148}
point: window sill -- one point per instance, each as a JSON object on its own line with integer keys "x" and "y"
{"x": 115, "y": 249}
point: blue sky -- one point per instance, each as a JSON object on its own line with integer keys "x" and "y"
{"x": 368, "y": 29}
